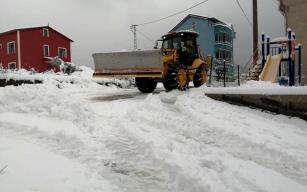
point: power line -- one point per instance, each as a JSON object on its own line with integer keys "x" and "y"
{"x": 239, "y": 4}
{"x": 134, "y": 30}
{"x": 145, "y": 36}
{"x": 177, "y": 13}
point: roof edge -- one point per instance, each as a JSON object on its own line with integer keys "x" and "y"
{"x": 37, "y": 27}
{"x": 196, "y": 16}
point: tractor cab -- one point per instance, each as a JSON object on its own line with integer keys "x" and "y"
{"x": 182, "y": 45}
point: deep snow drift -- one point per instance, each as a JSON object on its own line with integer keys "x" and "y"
{"x": 87, "y": 137}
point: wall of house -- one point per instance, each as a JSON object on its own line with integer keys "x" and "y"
{"x": 32, "y": 53}
{"x": 6, "y": 58}
{"x": 205, "y": 28}
{"x": 228, "y": 46}
{"x": 206, "y": 39}
{"x": 296, "y": 19}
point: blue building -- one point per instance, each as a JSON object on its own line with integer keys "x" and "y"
{"x": 215, "y": 38}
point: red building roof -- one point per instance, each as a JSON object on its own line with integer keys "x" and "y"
{"x": 40, "y": 27}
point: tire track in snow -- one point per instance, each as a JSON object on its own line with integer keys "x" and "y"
{"x": 83, "y": 149}
{"x": 136, "y": 158}
{"x": 124, "y": 154}
{"x": 127, "y": 161}
{"x": 214, "y": 136}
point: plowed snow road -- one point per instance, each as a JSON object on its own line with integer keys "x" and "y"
{"x": 87, "y": 137}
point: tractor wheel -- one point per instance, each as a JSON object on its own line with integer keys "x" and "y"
{"x": 200, "y": 76}
{"x": 145, "y": 85}
{"x": 182, "y": 79}
{"x": 176, "y": 78}
{"x": 170, "y": 81}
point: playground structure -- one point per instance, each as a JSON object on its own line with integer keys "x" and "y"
{"x": 279, "y": 59}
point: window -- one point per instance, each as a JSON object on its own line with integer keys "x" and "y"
{"x": 217, "y": 37}
{"x": 167, "y": 43}
{"x": 62, "y": 52}
{"x": 11, "y": 47}
{"x": 222, "y": 37}
{"x": 46, "y": 50}
{"x": 227, "y": 38}
{"x": 223, "y": 54}
{"x": 45, "y": 32}
{"x": 176, "y": 43}
{"x": 12, "y": 66}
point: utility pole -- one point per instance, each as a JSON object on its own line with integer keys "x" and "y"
{"x": 255, "y": 32}
{"x": 133, "y": 29}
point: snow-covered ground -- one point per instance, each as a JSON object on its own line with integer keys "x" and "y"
{"x": 87, "y": 137}
{"x": 259, "y": 88}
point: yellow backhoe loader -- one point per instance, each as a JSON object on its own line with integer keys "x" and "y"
{"x": 176, "y": 64}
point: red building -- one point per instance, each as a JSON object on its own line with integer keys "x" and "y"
{"x": 26, "y": 48}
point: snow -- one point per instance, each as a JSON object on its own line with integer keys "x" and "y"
{"x": 83, "y": 76}
{"x": 19, "y": 75}
{"x": 59, "y": 136}
{"x": 259, "y": 88}
{"x": 33, "y": 168}
{"x": 280, "y": 39}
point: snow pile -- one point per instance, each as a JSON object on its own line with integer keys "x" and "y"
{"x": 20, "y": 75}
{"x": 119, "y": 82}
{"x": 258, "y": 88}
{"x": 84, "y": 72}
{"x": 81, "y": 76}
{"x": 259, "y": 84}
{"x": 86, "y": 137}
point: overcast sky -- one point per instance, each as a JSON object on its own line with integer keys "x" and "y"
{"x": 103, "y": 25}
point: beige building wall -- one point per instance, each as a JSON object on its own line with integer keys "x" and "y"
{"x": 295, "y": 12}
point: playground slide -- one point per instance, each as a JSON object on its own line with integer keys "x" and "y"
{"x": 271, "y": 68}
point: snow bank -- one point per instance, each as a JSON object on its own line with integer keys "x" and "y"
{"x": 84, "y": 75}
{"x": 20, "y": 75}
{"x": 258, "y": 88}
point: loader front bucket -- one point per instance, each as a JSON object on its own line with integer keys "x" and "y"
{"x": 129, "y": 64}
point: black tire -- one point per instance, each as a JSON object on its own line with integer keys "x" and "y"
{"x": 145, "y": 85}
{"x": 171, "y": 81}
{"x": 198, "y": 79}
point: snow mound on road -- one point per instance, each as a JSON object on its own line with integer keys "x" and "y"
{"x": 83, "y": 76}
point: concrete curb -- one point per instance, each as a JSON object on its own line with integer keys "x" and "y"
{"x": 291, "y": 105}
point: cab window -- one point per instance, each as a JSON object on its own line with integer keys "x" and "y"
{"x": 190, "y": 43}
{"x": 177, "y": 43}
{"x": 167, "y": 44}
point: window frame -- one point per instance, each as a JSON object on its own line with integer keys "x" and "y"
{"x": 167, "y": 43}
{"x": 59, "y": 48}
{"x": 47, "y": 32}
{"x": 8, "y": 47}
{"x": 223, "y": 37}
{"x": 46, "y": 55}
{"x": 223, "y": 54}
{"x": 11, "y": 63}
